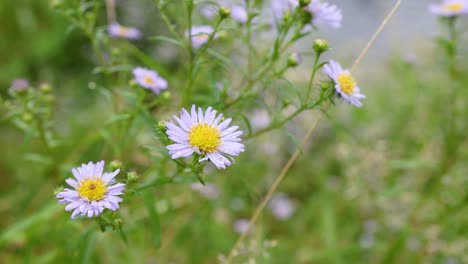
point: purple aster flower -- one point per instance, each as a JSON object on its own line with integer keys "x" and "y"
{"x": 118, "y": 31}
{"x": 239, "y": 14}
{"x": 281, "y": 206}
{"x": 324, "y": 14}
{"x": 241, "y": 225}
{"x": 206, "y": 134}
{"x": 200, "y": 35}
{"x": 19, "y": 85}
{"x": 345, "y": 85}
{"x": 450, "y": 8}
{"x": 149, "y": 79}
{"x": 92, "y": 192}
{"x": 280, "y": 7}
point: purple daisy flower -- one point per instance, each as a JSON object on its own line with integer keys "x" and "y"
{"x": 450, "y": 8}
{"x": 345, "y": 85}
{"x": 205, "y": 134}
{"x": 93, "y": 191}
{"x": 149, "y": 79}
{"x": 324, "y": 14}
{"x": 200, "y": 35}
{"x": 19, "y": 85}
{"x": 118, "y": 31}
{"x": 281, "y": 206}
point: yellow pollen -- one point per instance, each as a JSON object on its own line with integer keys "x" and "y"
{"x": 453, "y": 7}
{"x": 346, "y": 83}
{"x": 205, "y": 137}
{"x": 202, "y": 37}
{"x": 148, "y": 80}
{"x": 92, "y": 188}
{"x": 123, "y": 31}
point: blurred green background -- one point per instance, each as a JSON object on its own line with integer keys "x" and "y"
{"x": 381, "y": 184}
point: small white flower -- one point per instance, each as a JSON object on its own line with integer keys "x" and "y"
{"x": 149, "y": 79}
{"x": 93, "y": 190}
{"x": 345, "y": 85}
{"x": 118, "y": 31}
{"x": 206, "y": 135}
{"x": 450, "y": 8}
{"x": 200, "y": 35}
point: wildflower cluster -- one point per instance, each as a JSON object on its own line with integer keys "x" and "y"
{"x": 203, "y": 133}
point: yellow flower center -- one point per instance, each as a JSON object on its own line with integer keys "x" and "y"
{"x": 453, "y": 7}
{"x": 123, "y": 31}
{"x": 202, "y": 37}
{"x": 92, "y": 188}
{"x": 148, "y": 80}
{"x": 346, "y": 83}
{"x": 205, "y": 137}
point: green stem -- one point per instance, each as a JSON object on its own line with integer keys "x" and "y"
{"x": 312, "y": 77}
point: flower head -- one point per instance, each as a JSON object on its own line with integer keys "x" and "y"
{"x": 205, "y": 134}
{"x": 149, "y": 79}
{"x": 118, "y": 31}
{"x": 281, "y": 206}
{"x": 320, "y": 13}
{"x": 92, "y": 192}
{"x": 345, "y": 85}
{"x": 200, "y": 35}
{"x": 450, "y": 8}
{"x": 19, "y": 85}
{"x": 241, "y": 226}
{"x": 324, "y": 14}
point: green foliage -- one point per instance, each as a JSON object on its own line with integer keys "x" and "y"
{"x": 385, "y": 183}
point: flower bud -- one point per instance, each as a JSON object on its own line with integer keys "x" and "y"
{"x": 162, "y": 126}
{"x": 115, "y": 165}
{"x": 55, "y": 3}
{"x": 132, "y": 177}
{"x": 58, "y": 190}
{"x": 294, "y": 59}
{"x": 45, "y": 87}
{"x": 118, "y": 223}
{"x": 27, "y": 117}
{"x": 166, "y": 95}
{"x": 224, "y": 12}
{"x": 304, "y": 3}
{"x": 320, "y": 46}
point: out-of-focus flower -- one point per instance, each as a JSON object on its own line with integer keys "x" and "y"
{"x": 19, "y": 85}
{"x": 239, "y": 14}
{"x": 238, "y": 10}
{"x": 118, "y": 31}
{"x": 149, "y": 79}
{"x": 206, "y": 135}
{"x": 324, "y": 14}
{"x": 93, "y": 190}
{"x": 210, "y": 191}
{"x": 321, "y": 13}
{"x": 241, "y": 225}
{"x": 280, "y": 7}
{"x": 450, "y": 8}
{"x": 281, "y": 206}
{"x": 294, "y": 59}
{"x": 200, "y": 35}
{"x": 345, "y": 85}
